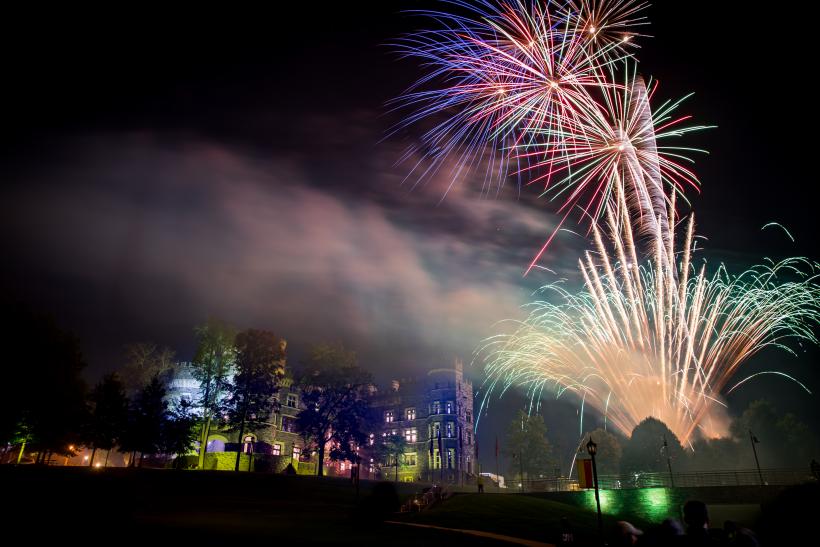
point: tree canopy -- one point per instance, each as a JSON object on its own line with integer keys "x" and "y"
{"x": 528, "y": 447}
{"x": 255, "y": 382}
{"x": 644, "y": 451}
{"x": 337, "y": 411}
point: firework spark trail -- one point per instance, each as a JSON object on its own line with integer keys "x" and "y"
{"x": 660, "y": 338}
{"x": 615, "y": 144}
{"x": 528, "y": 88}
{"x": 502, "y": 74}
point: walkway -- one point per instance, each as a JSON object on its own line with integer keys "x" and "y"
{"x": 478, "y": 533}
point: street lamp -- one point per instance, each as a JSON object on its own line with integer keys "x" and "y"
{"x": 592, "y": 449}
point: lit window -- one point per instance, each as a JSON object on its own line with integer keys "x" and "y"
{"x": 448, "y": 407}
{"x": 410, "y": 459}
{"x": 411, "y": 413}
{"x": 277, "y": 449}
{"x": 411, "y": 435}
{"x": 450, "y": 459}
{"x": 342, "y": 466}
{"x": 291, "y": 401}
{"x": 288, "y": 424}
{"x": 296, "y": 452}
{"x": 389, "y": 416}
{"x": 437, "y": 460}
{"x": 449, "y": 430}
{"x": 436, "y": 407}
{"x": 436, "y": 429}
{"x": 371, "y": 440}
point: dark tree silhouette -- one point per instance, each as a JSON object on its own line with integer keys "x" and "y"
{"x": 148, "y": 414}
{"x": 337, "y": 410}
{"x": 257, "y": 379}
{"x": 43, "y": 404}
{"x": 211, "y": 366}
{"x": 144, "y": 361}
{"x": 527, "y": 439}
{"x": 389, "y": 451}
{"x": 179, "y": 434}
{"x": 610, "y": 451}
{"x": 644, "y": 451}
{"x": 107, "y": 417}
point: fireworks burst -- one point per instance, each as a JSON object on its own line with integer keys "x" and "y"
{"x": 615, "y": 145}
{"x": 500, "y": 75}
{"x": 658, "y": 338}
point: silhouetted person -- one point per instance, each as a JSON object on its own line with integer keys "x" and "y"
{"x": 567, "y": 537}
{"x": 696, "y": 518}
{"x": 668, "y": 533}
{"x": 290, "y": 470}
{"x": 737, "y": 535}
{"x": 480, "y": 482}
{"x": 626, "y": 534}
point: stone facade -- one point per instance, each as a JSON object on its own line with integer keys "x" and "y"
{"x": 418, "y": 409}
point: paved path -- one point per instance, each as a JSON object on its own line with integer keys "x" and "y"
{"x": 479, "y": 533}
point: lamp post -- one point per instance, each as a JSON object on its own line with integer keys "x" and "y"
{"x": 754, "y": 440}
{"x": 592, "y": 449}
{"x": 668, "y": 461}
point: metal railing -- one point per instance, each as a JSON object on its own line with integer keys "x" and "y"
{"x": 741, "y": 477}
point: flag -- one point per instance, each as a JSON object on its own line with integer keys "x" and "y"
{"x": 585, "y": 473}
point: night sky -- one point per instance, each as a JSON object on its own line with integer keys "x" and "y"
{"x": 163, "y": 167}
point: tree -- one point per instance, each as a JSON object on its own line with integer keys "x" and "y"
{"x": 179, "y": 434}
{"x": 527, "y": 445}
{"x": 784, "y": 439}
{"x": 212, "y": 366}
{"x": 256, "y": 380}
{"x": 43, "y": 406}
{"x": 644, "y": 451}
{"x": 722, "y": 453}
{"x": 144, "y": 361}
{"x": 148, "y": 415}
{"x": 337, "y": 412}
{"x": 390, "y": 450}
{"x": 107, "y": 417}
{"x": 608, "y": 459}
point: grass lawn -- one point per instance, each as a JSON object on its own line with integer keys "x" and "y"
{"x": 159, "y": 507}
{"x": 515, "y": 515}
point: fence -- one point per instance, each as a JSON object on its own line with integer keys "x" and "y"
{"x": 741, "y": 477}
